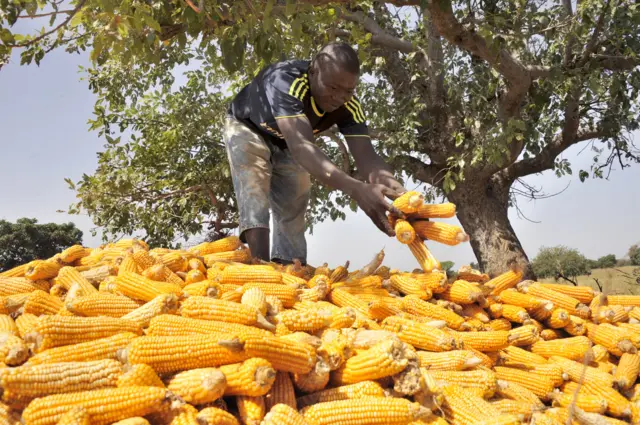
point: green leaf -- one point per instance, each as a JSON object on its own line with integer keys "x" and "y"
{"x": 77, "y": 18}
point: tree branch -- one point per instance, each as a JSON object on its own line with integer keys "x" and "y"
{"x": 378, "y": 35}
{"x": 547, "y": 156}
{"x": 48, "y": 33}
{"x": 426, "y": 173}
{"x": 42, "y": 15}
{"x": 435, "y": 63}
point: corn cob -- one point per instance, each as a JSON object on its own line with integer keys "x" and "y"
{"x": 288, "y": 295}
{"x": 514, "y": 313}
{"x": 370, "y": 411}
{"x": 282, "y": 414}
{"x": 281, "y": 392}
{"x": 77, "y": 415}
{"x": 627, "y": 370}
{"x": 484, "y": 341}
{"x": 463, "y": 408}
{"x": 576, "y": 326}
{"x": 198, "y": 386}
{"x": 577, "y": 370}
{"x": 205, "y": 288}
{"x": 514, "y": 407}
{"x": 503, "y": 419}
{"x": 415, "y": 305}
{"x": 102, "y": 304}
{"x": 140, "y": 288}
{"x": 240, "y": 275}
{"x": 404, "y": 231}
{"x": 506, "y": 280}
{"x": 19, "y": 285}
{"x": 41, "y": 269}
{"x": 251, "y": 410}
{"x": 409, "y": 202}
{"x": 616, "y": 340}
{"x": 343, "y": 298}
{"x": 499, "y": 325}
{"x": 215, "y": 416}
{"x": 305, "y": 320}
{"x": 17, "y": 271}
{"x": 162, "y": 304}
{"x": 31, "y": 381}
{"x": 482, "y": 379}
{"x": 425, "y": 258}
{"x": 8, "y": 325}
{"x": 285, "y": 356}
{"x": 55, "y": 331}
{"x": 230, "y": 243}
{"x": 162, "y": 273}
{"x": 449, "y": 360}
{"x": 515, "y": 391}
{"x": 514, "y": 356}
{"x": 69, "y": 276}
{"x": 139, "y": 375}
{"x": 445, "y": 210}
{"x": 420, "y": 336}
{"x": 584, "y": 294}
{"x": 144, "y": 260}
{"x": 254, "y": 297}
{"x": 384, "y": 359}
{"x": 214, "y": 309}
{"x": 316, "y": 380}
{"x": 560, "y": 300}
{"x": 174, "y": 261}
{"x": 513, "y": 297}
{"x": 169, "y": 325}
{"x": 435, "y": 281}
{"x": 617, "y": 405}
{"x": 25, "y": 323}
{"x": 128, "y": 264}
{"x": 551, "y": 334}
{"x": 194, "y": 276}
{"x": 254, "y": 377}
{"x": 365, "y": 389}
{"x": 462, "y": 292}
{"x": 444, "y": 233}
{"x": 13, "y": 351}
{"x": 104, "y": 406}
{"x": 541, "y": 386}
{"x": 97, "y": 349}
{"x": 476, "y": 312}
{"x": 40, "y": 302}
{"x": 573, "y": 348}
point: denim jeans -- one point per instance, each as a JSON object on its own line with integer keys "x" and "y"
{"x": 266, "y": 177}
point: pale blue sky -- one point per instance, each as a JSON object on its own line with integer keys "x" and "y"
{"x": 44, "y": 138}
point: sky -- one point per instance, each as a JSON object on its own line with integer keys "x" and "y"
{"x": 44, "y": 138}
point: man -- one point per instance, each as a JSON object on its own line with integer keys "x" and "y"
{"x": 269, "y": 136}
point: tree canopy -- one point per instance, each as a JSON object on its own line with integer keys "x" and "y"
{"x": 560, "y": 262}
{"x": 469, "y": 97}
{"x": 26, "y": 240}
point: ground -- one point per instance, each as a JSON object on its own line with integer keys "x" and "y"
{"x": 616, "y": 280}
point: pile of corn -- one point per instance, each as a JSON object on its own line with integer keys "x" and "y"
{"x": 130, "y": 335}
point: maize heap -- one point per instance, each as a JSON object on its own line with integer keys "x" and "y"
{"x": 124, "y": 334}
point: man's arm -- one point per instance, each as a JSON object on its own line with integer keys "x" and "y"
{"x": 370, "y": 164}
{"x": 298, "y": 135}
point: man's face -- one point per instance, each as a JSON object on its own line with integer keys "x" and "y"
{"x": 332, "y": 86}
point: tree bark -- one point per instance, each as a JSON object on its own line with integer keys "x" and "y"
{"x": 482, "y": 208}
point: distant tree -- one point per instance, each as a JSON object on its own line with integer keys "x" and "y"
{"x": 475, "y": 266}
{"x": 26, "y": 240}
{"x": 593, "y": 264}
{"x": 634, "y": 254}
{"x": 560, "y": 262}
{"x": 607, "y": 261}
{"x": 623, "y": 262}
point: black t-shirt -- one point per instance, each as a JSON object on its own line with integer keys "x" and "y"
{"x": 282, "y": 90}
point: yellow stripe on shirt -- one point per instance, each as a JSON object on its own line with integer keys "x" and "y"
{"x": 357, "y": 109}
{"x": 353, "y": 112}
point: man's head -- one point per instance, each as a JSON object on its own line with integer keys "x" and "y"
{"x": 333, "y": 75}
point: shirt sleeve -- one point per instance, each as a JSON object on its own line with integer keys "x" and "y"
{"x": 354, "y": 122}
{"x": 285, "y": 93}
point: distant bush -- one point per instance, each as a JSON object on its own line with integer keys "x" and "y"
{"x": 623, "y": 262}
{"x": 634, "y": 254}
{"x": 560, "y": 261}
{"x": 606, "y": 261}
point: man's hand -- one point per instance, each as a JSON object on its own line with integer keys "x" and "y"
{"x": 384, "y": 177}
{"x": 371, "y": 199}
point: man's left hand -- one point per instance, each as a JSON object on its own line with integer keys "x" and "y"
{"x": 384, "y": 177}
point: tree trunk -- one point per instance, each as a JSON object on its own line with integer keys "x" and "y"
{"x": 482, "y": 211}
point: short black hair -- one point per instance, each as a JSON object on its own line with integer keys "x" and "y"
{"x": 341, "y": 54}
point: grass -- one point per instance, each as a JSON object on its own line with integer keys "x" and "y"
{"x": 616, "y": 280}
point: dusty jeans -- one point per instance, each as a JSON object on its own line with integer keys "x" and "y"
{"x": 266, "y": 176}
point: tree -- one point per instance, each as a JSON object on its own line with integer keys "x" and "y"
{"x": 560, "y": 262}
{"x": 634, "y": 254}
{"x": 470, "y": 98}
{"x": 26, "y": 240}
{"x": 607, "y": 261}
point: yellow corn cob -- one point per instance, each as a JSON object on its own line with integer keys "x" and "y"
{"x": 292, "y": 280}
{"x": 369, "y": 410}
{"x": 77, "y": 415}
{"x": 420, "y": 336}
{"x": 254, "y": 377}
{"x": 104, "y": 406}
{"x": 104, "y": 348}
{"x": 41, "y": 269}
{"x": 198, "y": 386}
{"x": 541, "y": 386}
{"x": 515, "y": 391}
{"x": 342, "y": 298}
{"x": 40, "y": 302}
{"x": 484, "y": 341}
{"x": 560, "y": 300}
{"x": 462, "y": 292}
{"x": 168, "y": 325}
{"x": 409, "y": 202}
{"x": 316, "y": 380}
{"x": 422, "y": 255}
{"x": 415, "y": 305}
{"x": 128, "y": 264}
{"x": 617, "y": 405}
{"x": 214, "y": 309}
{"x": 285, "y": 356}
{"x": 444, "y": 233}
{"x": 360, "y": 390}
{"x": 339, "y": 273}
{"x": 482, "y": 379}
{"x": 445, "y": 210}
{"x": 384, "y": 359}
{"x": 559, "y": 319}
{"x": 162, "y": 304}
{"x": 69, "y": 276}
{"x": 205, "y": 288}
{"x": 619, "y": 314}
{"x": 13, "y": 303}
{"x": 243, "y": 274}
{"x": 281, "y": 392}
{"x": 503, "y": 419}
{"x": 550, "y": 371}
{"x": 499, "y": 325}
{"x": 449, "y": 360}
{"x": 58, "y": 291}
{"x": 627, "y": 370}
{"x": 282, "y": 414}
{"x": 230, "y": 243}
{"x": 162, "y": 273}
{"x": 13, "y": 351}
{"x": 584, "y": 294}
{"x": 21, "y": 285}
{"x": 550, "y": 334}
{"x": 194, "y": 276}
{"x": 140, "y": 288}
{"x": 174, "y": 261}
{"x": 31, "y": 381}
{"x": 514, "y": 313}
{"x": 288, "y": 295}
{"x": 516, "y": 357}
{"x": 334, "y": 352}
{"x": 242, "y": 255}
{"x": 25, "y": 323}
{"x": 102, "y": 304}
{"x": 17, "y": 271}
{"x": 305, "y": 320}
{"x": 576, "y": 370}
{"x": 506, "y": 280}
{"x": 254, "y": 297}
{"x": 435, "y": 281}
{"x": 514, "y": 407}
{"x": 476, "y": 312}
{"x": 586, "y": 402}
{"x": 404, "y": 231}
{"x": 463, "y": 408}
{"x": 139, "y": 375}
{"x": 513, "y": 297}
{"x": 616, "y": 340}
{"x": 196, "y": 264}
{"x": 136, "y": 420}
{"x": 215, "y": 416}
{"x": 576, "y": 326}
{"x": 8, "y": 325}
{"x": 251, "y": 410}
{"x": 571, "y": 348}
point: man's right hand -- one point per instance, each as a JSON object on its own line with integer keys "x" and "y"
{"x": 371, "y": 198}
